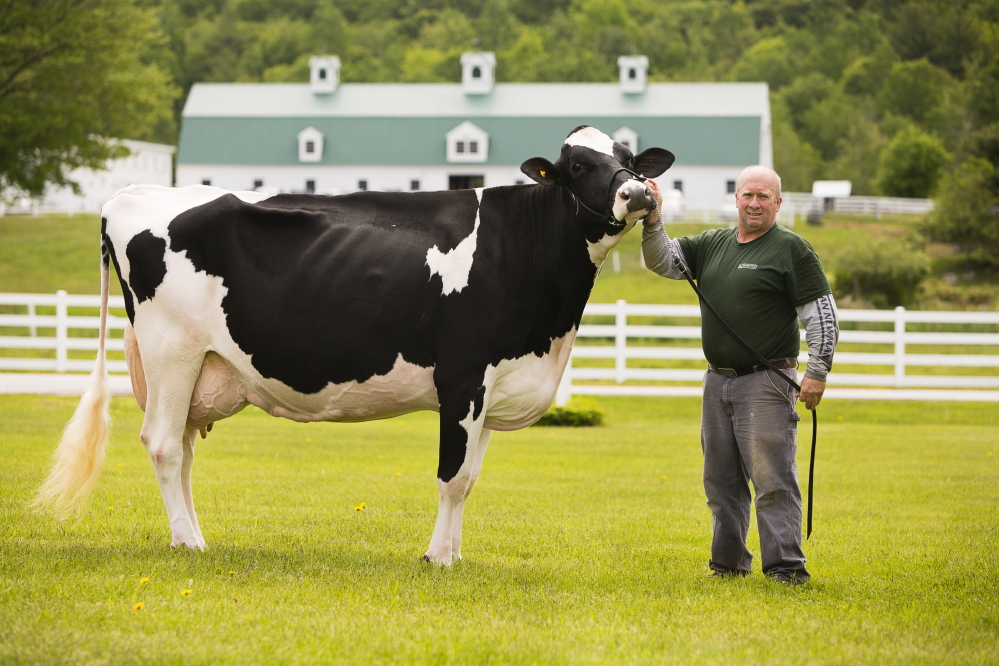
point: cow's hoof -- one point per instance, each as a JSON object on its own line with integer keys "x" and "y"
{"x": 439, "y": 562}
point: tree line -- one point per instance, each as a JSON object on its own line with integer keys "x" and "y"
{"x": 899, "y": 97}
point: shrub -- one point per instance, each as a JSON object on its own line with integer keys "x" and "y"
{"x": 577, "y": 414}
{"x": 884, "y": 271}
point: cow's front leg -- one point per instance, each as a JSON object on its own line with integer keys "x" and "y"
{"x": 463, "y": 448}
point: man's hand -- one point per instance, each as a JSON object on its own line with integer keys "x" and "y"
{"x": 811, "y": 392}
{"x": 653, "y": 217}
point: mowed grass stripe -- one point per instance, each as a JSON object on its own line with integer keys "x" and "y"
{"x": 581, "y": 546}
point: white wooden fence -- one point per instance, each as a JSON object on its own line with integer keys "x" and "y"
{"x": 56, "y": 330}
{"x": 58, "y": 333}
{"x": 620, "y": 376}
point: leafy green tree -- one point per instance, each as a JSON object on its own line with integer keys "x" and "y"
{"x": 767, "y": 60}
{"x": 72, "y": 77}
{"x": 912, "y": 164}
{"x": 967, "y": 211}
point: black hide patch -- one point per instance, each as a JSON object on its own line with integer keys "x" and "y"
{"x": 327, "y": 289}
{"x": 146, "y": 264}
{"x": 125, "y": 291}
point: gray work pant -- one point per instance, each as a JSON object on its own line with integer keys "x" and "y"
{"x": 749, "y": 433}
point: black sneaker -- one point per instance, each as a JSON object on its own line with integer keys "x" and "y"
{"x": 728, "y": 573}
{"x": 788, "y": 578}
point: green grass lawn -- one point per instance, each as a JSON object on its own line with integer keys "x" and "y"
{"x": 581, "y": 546}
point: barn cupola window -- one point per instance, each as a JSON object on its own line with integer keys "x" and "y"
{"x": 628, "y": 137}
{"x": 467, "y": 143}
{"x": 324, "y": 74}
{"x": 633, "y": 69}
{"x": 477, "y": 73}
{"x": 310, "y": 145}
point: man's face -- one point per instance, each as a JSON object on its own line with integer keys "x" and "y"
{"x": 757, "y": 205}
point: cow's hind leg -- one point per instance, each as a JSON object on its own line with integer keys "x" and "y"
{"x": 170, "y": 443}
{"x": 462, "y": 449}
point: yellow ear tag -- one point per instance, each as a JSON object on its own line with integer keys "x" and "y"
{"x": 543, "y": 174}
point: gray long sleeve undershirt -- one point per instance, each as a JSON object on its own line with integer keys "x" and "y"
{"x": 819, "y": 316}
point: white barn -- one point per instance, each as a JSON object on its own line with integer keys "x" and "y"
{"x": 326, "y": 136}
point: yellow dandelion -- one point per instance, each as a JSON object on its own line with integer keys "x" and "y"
{"x": 143, "y": 580}
{"x": 117, "y": 411}
{"x": 308, "y": 439}
{"x": 225, "y": 429}
{"x": 232, "y": 573}
{"x": 381, "y": 457}
{"x": 184, "y": 593}
{"x": 110, "y": 508}
{"x": 120, "y": 465}
{"x": 990, "y": 453}
{"x": 398, "y": 473}
{"x": 665, "y": 477}
{"x": 360, "y": 507}
{"x": 139, "y": 606}
{"x": 246, "y": 446}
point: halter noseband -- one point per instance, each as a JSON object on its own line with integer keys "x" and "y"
{"x": 610, "y": 213}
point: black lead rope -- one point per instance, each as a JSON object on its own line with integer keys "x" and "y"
{"x": 762, "y": 359}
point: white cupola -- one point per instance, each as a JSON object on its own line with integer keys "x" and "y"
{"x": 633, "y": 69}
{"x": 324, "y": 74}
{"x": 477, "y": 72}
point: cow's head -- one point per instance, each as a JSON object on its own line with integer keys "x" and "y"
{"x": 605, "y": 178}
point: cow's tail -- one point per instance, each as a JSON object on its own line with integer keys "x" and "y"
{"x": 79, "y": 457}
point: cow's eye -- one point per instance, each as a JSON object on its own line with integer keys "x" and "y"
{"x": 577, "y": 167}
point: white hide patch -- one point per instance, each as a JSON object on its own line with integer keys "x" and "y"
{"x": 455, "y": 266}
{"x": 525, "y": 387}
{"x": 593, "y": 139}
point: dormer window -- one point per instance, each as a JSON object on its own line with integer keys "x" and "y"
{"x": 310, "y": 145}
{"x": 628, "y": 137}
{"x": 467, "y": 143}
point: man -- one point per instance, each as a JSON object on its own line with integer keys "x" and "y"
{"x": 762, "y": 279}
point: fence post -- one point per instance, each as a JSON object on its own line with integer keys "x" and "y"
{"x": 621, "y": 340}
{"x": 564, "y": 392}
{"x": 899, "y": 346}
{"x": 32, "y": 328}
{"x": 62, "y": 332}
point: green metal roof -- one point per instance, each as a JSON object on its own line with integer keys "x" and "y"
{"x": 704, "y": 124}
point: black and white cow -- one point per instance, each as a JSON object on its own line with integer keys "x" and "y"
{"x": 352, "y": 308}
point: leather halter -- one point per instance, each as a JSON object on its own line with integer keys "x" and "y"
{"x": 610, "y": 212}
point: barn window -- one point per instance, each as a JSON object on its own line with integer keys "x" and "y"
{"x": 310, "y": 186}
{"x": 258, "y": 183}
{"x": 467, "y": 143}
{"x": 678, "y": 185}
{"x": 476, "y": 72}
{"x": 632, "y": 73}
{"x": 310, "y": 145}
{"x": 206, "y": 181}
{"x": 414, "y": 185}
{"x": 362, "y": 185}
{"x": 730, "y": 186}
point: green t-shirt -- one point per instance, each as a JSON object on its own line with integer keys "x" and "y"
{"x": 756, "y": 287}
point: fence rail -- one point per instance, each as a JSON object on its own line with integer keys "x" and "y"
{"x": 44, "y": 332}
{"x": 627, "y": 345}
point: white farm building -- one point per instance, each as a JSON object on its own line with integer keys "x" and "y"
{"x": 326, "y": 136}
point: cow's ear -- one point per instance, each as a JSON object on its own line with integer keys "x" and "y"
{"x": 653, "y": 162}
{"x": 540, "y": 170}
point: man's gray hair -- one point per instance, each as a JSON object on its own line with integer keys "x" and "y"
{"x": 760, "y": 170}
